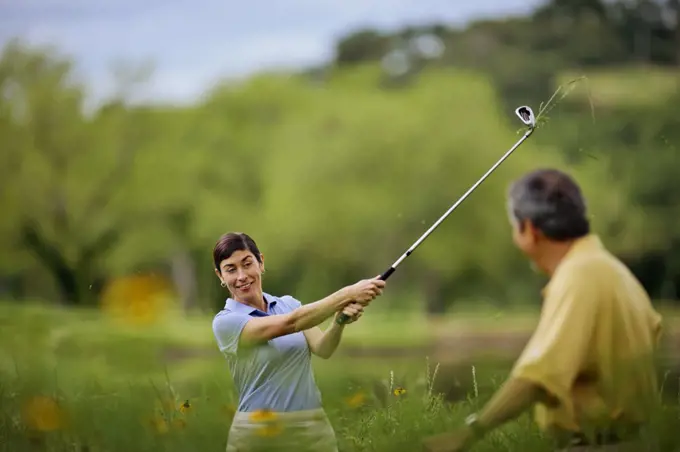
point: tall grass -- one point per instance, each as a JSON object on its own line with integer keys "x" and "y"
{"x": 45, "y": 411}
{"x": 42, "y": 410}
{"x": 95, "y": 387}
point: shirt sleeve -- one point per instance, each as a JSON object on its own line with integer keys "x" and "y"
{"x": 558, "y": 349}
{"x": 227, "y": 328}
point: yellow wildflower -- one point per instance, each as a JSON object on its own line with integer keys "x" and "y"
{"x": 262, "y": 416}
{"x": 399, "y": 391}
{"x": 43, "y": 414}
{"x": 185, "y": 407}
{"x": 159, "y": 424}
{"x": 137, "y": 299}
{"x": 356, "y": 400}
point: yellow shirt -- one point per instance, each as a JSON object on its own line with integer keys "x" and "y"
{"x": 593, "y": 349}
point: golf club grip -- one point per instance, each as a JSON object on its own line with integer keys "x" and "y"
{"x": 342, "y": 318}
{"x": 387, "y": 273}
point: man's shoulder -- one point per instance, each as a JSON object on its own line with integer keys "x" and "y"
{"x": 593, "y": 265}
{"x": 599, "y": 270}
{"x": 578, "y": 274}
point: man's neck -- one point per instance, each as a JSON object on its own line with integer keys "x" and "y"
{"x": 552, "y": 255}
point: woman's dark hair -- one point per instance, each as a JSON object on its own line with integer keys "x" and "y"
{"x": 552, "y": 201}
{"x": 232, "y": 242}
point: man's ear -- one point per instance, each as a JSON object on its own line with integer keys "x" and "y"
{"x": 521, "y": 224}
{"x": 532, "y": 231}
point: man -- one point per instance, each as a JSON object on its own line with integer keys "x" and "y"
{"x": 589, "y": 367}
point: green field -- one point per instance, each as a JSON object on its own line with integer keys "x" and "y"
{"x": 109, "y": 378}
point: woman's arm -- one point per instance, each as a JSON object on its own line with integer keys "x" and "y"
{"x": 324, "y": 343}
{"x": 262, "y": 329}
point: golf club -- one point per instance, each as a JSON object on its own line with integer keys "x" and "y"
{"x": 527, "y": 116}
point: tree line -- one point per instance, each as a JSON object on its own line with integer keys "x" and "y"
{"x": 335, "y": 171}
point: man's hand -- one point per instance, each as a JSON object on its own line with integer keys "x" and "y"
{"x": 353, "y": 311}
{"x": 449, "y": 442}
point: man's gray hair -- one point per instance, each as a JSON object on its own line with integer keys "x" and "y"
{"x": 552, "y": 201}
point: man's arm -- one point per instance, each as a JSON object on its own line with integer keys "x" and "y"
{"x": 552, "y": 358}
{"x": 512, "y": 399}
{"x": 549, "y": 363}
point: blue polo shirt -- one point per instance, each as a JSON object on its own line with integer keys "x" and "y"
{"x": 275, "y": 376}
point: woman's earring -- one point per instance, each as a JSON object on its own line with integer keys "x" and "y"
{"x": 223, "y": 284}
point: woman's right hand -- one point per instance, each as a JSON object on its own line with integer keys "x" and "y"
{"x": 366, "y": 290}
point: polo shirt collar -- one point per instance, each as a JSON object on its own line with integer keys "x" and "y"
{"x": 587, "y": 244}
{"x": 239, "y": 307}
{"x": 583, "y": 245}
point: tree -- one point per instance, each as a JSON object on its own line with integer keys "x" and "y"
{"x": 361, "y": 46}
{"x": 67, "y": 197}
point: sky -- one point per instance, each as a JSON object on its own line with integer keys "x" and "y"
{"x": 191, "y": 45}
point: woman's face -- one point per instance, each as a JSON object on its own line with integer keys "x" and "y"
{"x": 242, "y": 274}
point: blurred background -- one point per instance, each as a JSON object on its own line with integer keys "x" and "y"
{"x": 334, "y": 133}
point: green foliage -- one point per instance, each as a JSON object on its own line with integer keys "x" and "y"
{"x": 632, "y": 137}
{"x": 333, "y": 177}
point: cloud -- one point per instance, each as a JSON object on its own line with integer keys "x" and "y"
{"x": 192, "y": 45}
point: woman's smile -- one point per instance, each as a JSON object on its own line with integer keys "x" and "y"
{"x": 245, "y": 287}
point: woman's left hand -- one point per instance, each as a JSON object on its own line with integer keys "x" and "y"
{"x": 353, "y": 311}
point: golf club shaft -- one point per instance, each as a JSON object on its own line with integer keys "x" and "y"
{"x": 342, "y": 318}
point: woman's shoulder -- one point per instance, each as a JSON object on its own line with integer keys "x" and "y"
{"x": 288, "y": 301}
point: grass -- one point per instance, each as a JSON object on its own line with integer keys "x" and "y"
{"x": 75, "y": 381}
{"x": 94, "y": 416}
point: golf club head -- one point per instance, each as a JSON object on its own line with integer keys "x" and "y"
{"x": 526, "y": 115}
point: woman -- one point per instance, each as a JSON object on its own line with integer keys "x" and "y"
{"x": 268, "y": 342}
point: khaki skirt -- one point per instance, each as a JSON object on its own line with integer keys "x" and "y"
{"x": 308, "y": 430}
